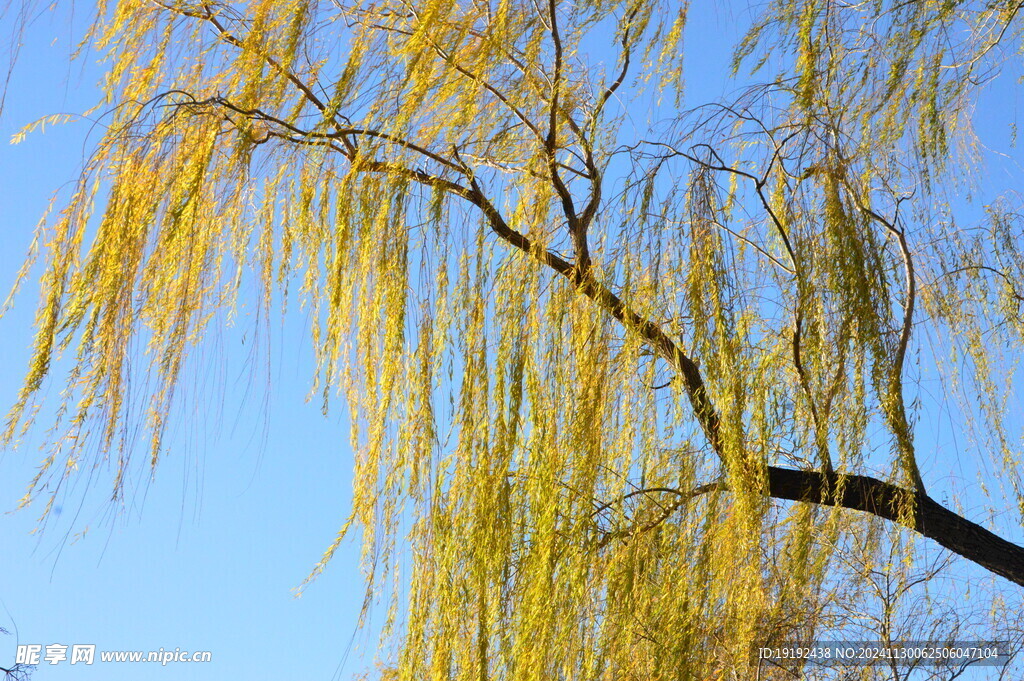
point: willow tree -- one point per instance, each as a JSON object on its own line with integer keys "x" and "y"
{"x": 618, "y": 389}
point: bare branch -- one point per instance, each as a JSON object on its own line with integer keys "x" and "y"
{"x": 999, "y": 273}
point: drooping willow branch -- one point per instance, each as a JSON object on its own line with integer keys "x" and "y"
{"x": 911, "y": 508}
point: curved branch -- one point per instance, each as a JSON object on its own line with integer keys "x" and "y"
{"x": 896, "y": 411}
{"x": 593, "y": 203}
{"x": 626, "y": 53}
{"x": 985, "y": 268}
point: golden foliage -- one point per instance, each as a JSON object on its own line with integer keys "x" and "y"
{"x": 571, "y": 348}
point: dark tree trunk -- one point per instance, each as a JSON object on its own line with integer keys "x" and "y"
{"x": 916, "y": 511}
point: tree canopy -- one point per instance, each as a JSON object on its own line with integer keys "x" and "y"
{"x": 633, "y": 380}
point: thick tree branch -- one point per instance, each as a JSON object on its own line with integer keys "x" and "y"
{"x": 914, "y": 510}
{"x": 705, "y": 412}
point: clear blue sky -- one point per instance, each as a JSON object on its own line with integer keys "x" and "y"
{"x": 206, "y": 556}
